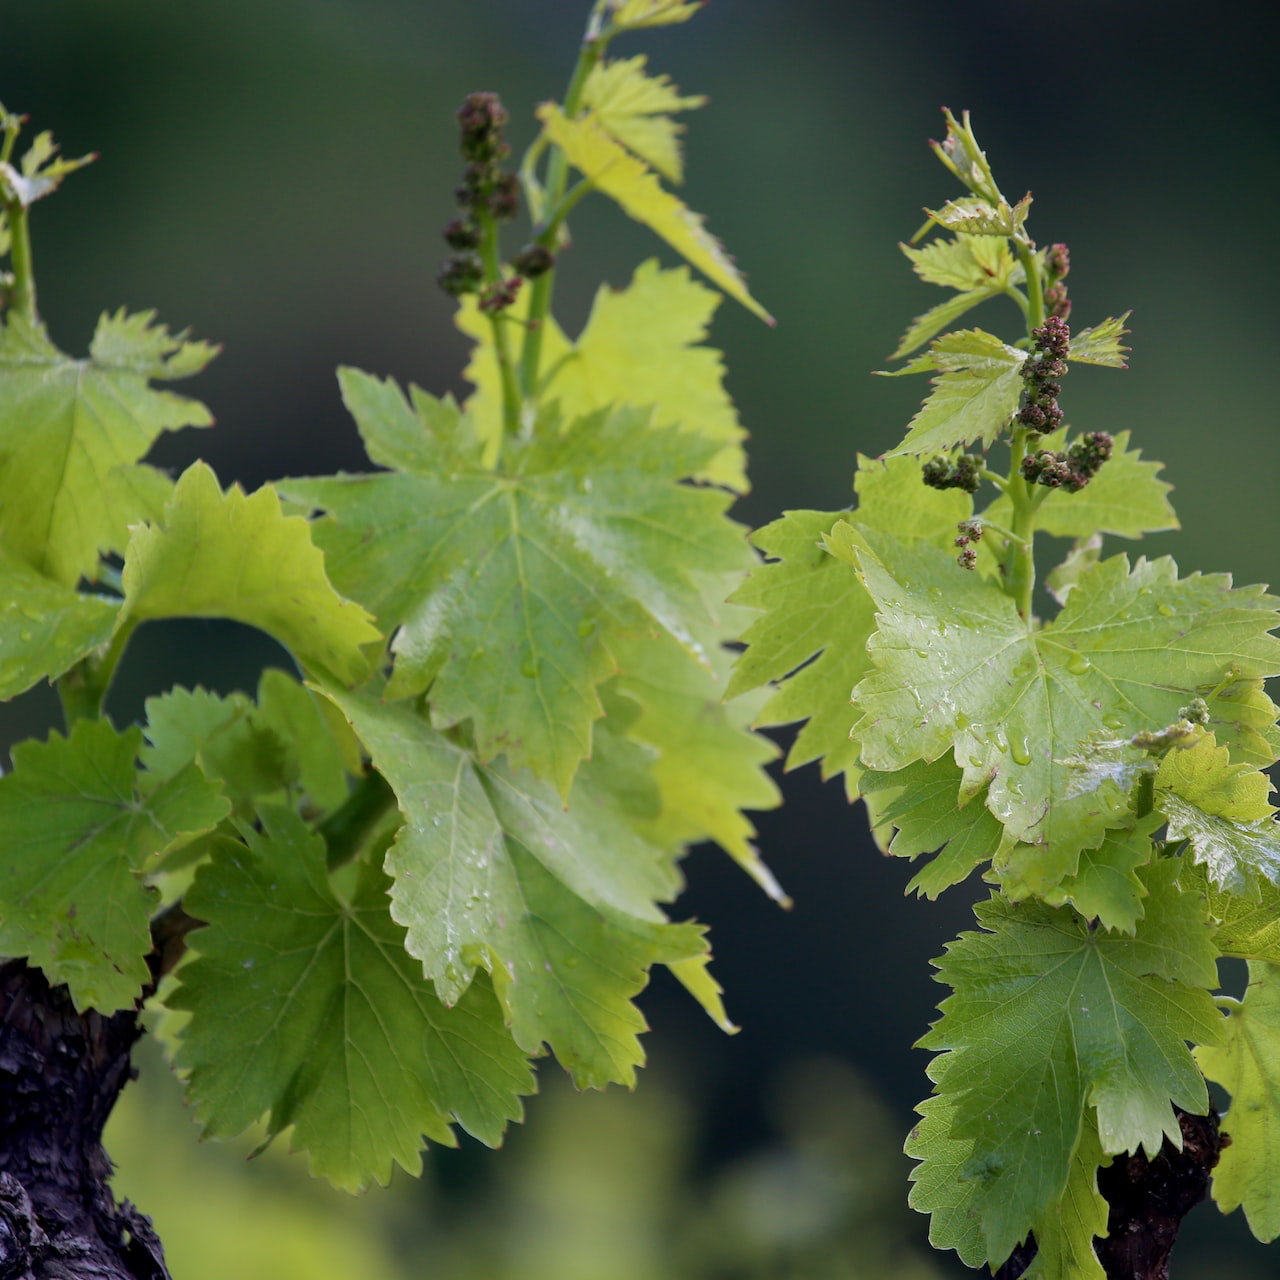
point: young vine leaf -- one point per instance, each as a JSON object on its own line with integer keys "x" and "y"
{"x": 72, "y": 433}
{"x": 308, "y": 1012}
{"x": 510, "y": 588}
{"x": 1248, "y": 1171}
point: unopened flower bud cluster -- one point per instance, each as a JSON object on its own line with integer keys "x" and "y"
{"x": 487, "y": 194}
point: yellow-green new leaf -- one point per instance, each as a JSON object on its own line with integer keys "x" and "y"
{"x": 632, "y": 15}
{"x": 629, "y": 181}
{"x": 45, "y": 627}
{"x": 642, "y": 345}
{"x": 1248, "y": 1067}
{"x": 635, "y": 109}
{"x": 228, "y": 555}
{"x": 72, "y": 432}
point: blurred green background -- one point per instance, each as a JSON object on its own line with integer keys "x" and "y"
{"x": 274, "y": 174}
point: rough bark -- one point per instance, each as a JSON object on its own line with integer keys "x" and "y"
{"x": 1148, "y": 1200}
{"x": 60, "y": 1074}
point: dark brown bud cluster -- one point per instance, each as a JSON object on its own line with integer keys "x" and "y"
{"x": 969, "y": 531}
{"x": 486, "y": 194}
{"x": 1071, "y": 469}
{"x": 1057, "y": 265}
{"x": 964, "y": 472}
{"x": 534, "y": 260}
{"x": 1044, "y": 368}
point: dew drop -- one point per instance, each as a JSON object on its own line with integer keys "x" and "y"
{"x": 1164, "y": 610}
{"x": 529, "y": 668}
{"x": 1020, "y": 750}
{"x": 586, "y": 627}
{"x": 1113, "y": 722}
{"x": 1078, "y": 664}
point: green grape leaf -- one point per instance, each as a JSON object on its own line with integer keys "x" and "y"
{"x": 1248, "y": 1171}
{"x": 958, "y": 670}
{"x": 632, "y": 184}
{"x": 1125, "y": 498}
{"x": 321, "y": 751}
{"x": 75, "y": 842}
{"x": 633, "y": 15}
{"x": 1101, "y": 344}
{"x": 1063, "y": 578}
{"x": 635, "y": 108}
{"x": 72, "y": 432}
{"x": 975, "y": 262}
{"x": 643, "y": 346}
{"x": 491, "y": 871}
{"x": 811, "y": 638}
{"x": 976, "y": 216}
{"x": 1065, "y": 1232}
{"x": 709, "y": 765}
{"x": 306, "y": 1009}
{"x": 1222, "y": 809}
{"x": 947, "y": 1182}
{"x": 1106, "y": 886}
{"x": 817, "y": 617}
{"x": 931, "y": 322}
{"x": 230, "y": 556}
{"x": 1247, "y": 927}
{"x": 973, "y": 398}
{"x": 223, "y": 736}
{"x": 510, "y": 589}
{"x": 1049, "y": 1017}
{"x": 922, "y": 802}
{"x": 45, "y": 627}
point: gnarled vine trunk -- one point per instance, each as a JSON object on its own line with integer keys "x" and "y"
{"x": 1148, "y": 1199}
{"x": 60, "y": 1074}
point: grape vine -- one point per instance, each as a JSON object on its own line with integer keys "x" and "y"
{"x": 1097, "y": 750}
{"x": 442, "y": 845}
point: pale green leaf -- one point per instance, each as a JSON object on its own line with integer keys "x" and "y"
{"x": 510, "y": 589}
{"x": 76, "y": 840}
{"x": 816, "y": 617}
{"x": 635, "y": 108}
{"x": 45, "y": 627}
{"x": 975, "y": 216}
{"x": 634, "y": 186}
{"x": 1049, "y": 1017}
{"x": 973, "y": 398}
{"x": 308, "y": 1012}
{"x": 958, "y": 670}
{"x": 1222, "y": 809}
{"x": 1101, "y": 344}
{"x": 1063, "y": 578}
{"x": 932, "y": 322}
{"x": 709, "y": 766}
{"x": 971, "y": 263}
{"x": 491, "y": 871}
{"x": 235, "y": 556}
{"x": 633, "y": 15}
{"x": 1247, "y": 926}
{"x": 1248, "y": 1067}
{"x": 72, "y": 432}
{"x": 642, "y": 345}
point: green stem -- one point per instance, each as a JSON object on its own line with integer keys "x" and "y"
{"x": 1019, "y": 562}
{"x": 23, "y": 299}
{"x": 350, "y": 825}
{"x": 498, "y": 327}
{"x": 1026, "y": 252}
{"x": 593, "y": 47}
{"x": 83, "y": 689}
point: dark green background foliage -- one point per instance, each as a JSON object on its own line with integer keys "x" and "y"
{"x": 274, "y": 175}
